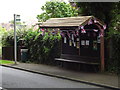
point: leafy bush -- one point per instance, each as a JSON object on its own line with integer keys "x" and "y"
{"x": 114, "y": 62}
{"x": 114, "y": 35}
{"x": 42, "y": 48}
{"x": 8, "y": 37}
{"x": 2, "y": 32}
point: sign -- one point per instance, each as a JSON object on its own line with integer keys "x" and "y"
{"x": 98, "y": 39}
{"x": 74, "y": 44}
{"x": 65, "y": 40}
{"x": 18, "y": 18}
{"x": 77, "y": 39}
{"x": 87, "y": 42}
{"x": 82, "y": 42}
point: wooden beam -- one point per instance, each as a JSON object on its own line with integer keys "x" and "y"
{"x": 102, "y": 67}
{"x": 102, "y": 54}
{"x": 79, "y": 41}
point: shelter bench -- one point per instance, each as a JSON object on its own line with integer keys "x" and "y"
{"x": 74, "y": 61}
{"x": 93, "y": 61}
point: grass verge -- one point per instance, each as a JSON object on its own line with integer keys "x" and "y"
{"x": 6, "y": 62}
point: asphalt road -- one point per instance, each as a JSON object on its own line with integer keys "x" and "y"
{"x": 13, "y": 78}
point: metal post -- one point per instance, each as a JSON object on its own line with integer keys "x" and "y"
{"x": 15, "y": 42}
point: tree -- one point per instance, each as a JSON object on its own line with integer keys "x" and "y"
{"x": 110, "y": 14}
{"x": 101, "y": 10}
{"x": 2, "y": 31}
{"x": 115, "y": 22}
{"x": 56, "y": 10}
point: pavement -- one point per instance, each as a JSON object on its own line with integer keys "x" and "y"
{"x": 106, "y": 80}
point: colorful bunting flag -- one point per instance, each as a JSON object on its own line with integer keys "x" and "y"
{"x": 68, "y": 34}
{"x": 42, "y": 30}
{"x": 90, "y": 22}
{"x": 95, "y": 30}
{"x": 82, "y": 27}
{"x": 74, "y": 33}
{"x": 83, "y": 31}
{"x": 104, "y": 27}
{"x": 62, "y": 34}
{"x": 77, "y": 33}
{"x": 95, "y": 21}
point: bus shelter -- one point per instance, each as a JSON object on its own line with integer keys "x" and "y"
{"x": 82, "y": 39}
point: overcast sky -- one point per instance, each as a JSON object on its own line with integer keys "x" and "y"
{"x": 28, "y": 9}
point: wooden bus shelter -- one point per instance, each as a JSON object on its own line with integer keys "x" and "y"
{"x": 82, "y": 39}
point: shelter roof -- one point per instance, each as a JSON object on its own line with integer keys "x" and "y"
{"x": 69, "y": 21}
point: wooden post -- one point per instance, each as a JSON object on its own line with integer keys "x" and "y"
{"x": 102, "y": 63}
{"x": 79, "y": 41}
{"x": 60, "y": 44}
{"x": 102, "y": 53}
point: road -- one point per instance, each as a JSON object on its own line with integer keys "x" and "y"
{"x": 13, "y": 78}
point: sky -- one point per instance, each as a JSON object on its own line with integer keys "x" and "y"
{"x": 27, "y": 9}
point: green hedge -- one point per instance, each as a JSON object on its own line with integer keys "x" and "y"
{"x": 41, "y": 48}
{"x": 114, "y": 62}
{"x": 2, "y": 31}
{"x": 8, "y": 37}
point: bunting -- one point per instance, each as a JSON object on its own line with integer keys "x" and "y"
{"x": 77, "y": 33}
{"x": 74, "y": 34}
{"x": 83, "y": 31}
{"x": 104, "y": 27}
{"x": 82, "y": 27}
{"x": 42, "y": 30}
{"x": 95, "y": 30}
{"x": 90, "y": 22}
{"x": 62, "y": 34}
{"x": 68, "y": 34}
{"x": 96, "y": 21}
